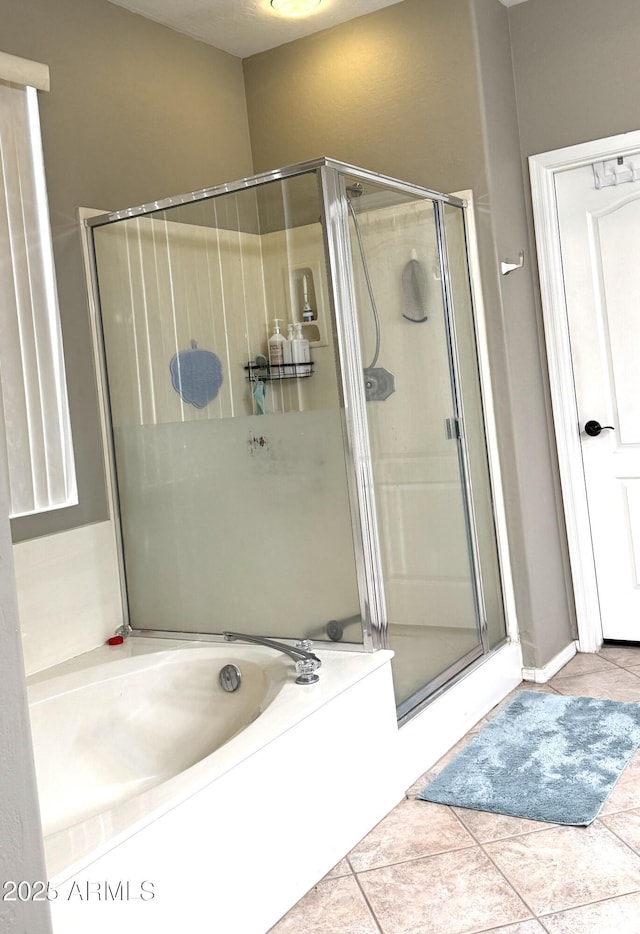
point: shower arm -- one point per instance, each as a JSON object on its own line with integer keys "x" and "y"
{"x": 306, "y": 662}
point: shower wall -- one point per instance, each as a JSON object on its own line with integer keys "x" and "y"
{"x": 237, "y": 519}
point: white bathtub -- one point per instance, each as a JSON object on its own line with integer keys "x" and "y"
{"x": 225, "y": 808}
{"x": 113, "y": 730}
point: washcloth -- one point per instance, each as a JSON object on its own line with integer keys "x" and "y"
{"x": 259, "y": 392}
{"x": 414, "y": 289}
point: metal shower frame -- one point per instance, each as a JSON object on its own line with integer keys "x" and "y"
{"x": 331, "y": 176}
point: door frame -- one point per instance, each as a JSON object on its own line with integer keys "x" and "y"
{"x": 543, "y": 169}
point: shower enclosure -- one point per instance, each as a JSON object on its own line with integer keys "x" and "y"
{"x": 346, "y": 499}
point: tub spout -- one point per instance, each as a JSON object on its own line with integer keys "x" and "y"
{"x": 306, "y": 662}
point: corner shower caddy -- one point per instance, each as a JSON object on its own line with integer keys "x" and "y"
{"x": 267, "y": 371}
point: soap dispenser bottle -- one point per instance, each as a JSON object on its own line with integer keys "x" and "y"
{"x": 276, "y": 349}
{"x": 288, "y": 353}
{"x": 300, "y": 351}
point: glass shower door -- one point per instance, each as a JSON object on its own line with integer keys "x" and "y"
{"x": 419, "y": 459}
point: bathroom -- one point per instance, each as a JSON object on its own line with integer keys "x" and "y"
{"x": 144, "y": 90}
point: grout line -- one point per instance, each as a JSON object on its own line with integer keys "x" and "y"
{"x": 415, "y": 859}
{"x": 603, "y": 813}
{"x": 506, "y": 927}
{"x": 617, "y": 835}
{"x": 510, "y": 883}
{"x": 611, "y": 662}
{"x": 461, "y": 821}
{"x": 543, "y": 925}
{"x": 547, "y": 825}
{"x": 597, "y": 901}
{"x": 368, "y": 903}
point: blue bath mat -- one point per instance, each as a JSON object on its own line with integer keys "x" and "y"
{"x": 544, "y": 757}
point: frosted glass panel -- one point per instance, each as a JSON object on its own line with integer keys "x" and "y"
{"x": 232, "y": 484}
{"x": 237, "y": 522}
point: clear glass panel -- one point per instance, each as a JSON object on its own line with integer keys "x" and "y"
{"x": 231, "y": 476}
{"x": 476, "y": 445}
{"x": 417, "y": 457}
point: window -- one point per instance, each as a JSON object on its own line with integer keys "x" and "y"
{"x": 34, "y": 408}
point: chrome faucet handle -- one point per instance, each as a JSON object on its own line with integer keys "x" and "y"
{"x": 306, "y": 667}
{"x": 306, "y": 670}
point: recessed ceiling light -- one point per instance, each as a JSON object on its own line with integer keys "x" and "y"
{"x": 295, "y": 7}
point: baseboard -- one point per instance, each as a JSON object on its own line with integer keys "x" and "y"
{"x": 544, "y": 674}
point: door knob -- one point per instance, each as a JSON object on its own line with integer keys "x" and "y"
{"x": 594, "y": 428}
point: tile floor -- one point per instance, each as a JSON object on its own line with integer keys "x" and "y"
{"x": 431, "y": 869}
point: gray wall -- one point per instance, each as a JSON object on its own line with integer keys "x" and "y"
{"x": 21, "y": 847}
{"x": 536, "y": 528}
{"x": 424, "y": 92}
{"x": 575, "y": 66}
{"x": 394, "y": 91}
{"x": 136, "y": 112}
{"x": 576, "y": 70}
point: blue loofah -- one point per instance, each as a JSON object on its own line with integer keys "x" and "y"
{"x": 196, "y": 375}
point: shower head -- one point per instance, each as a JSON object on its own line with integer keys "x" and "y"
{"x": 355, "y": 190}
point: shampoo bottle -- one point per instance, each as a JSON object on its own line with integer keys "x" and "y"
{"x": 276, "y": 349}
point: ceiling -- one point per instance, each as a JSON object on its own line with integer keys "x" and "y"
{"x": 245, "y": 27}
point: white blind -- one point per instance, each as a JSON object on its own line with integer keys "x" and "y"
{"x": 32, "y": 379}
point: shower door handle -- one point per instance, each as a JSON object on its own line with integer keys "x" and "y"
{"x": 452, "y": 428}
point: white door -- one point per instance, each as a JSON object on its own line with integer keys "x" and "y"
{"x": 600, "y": 245}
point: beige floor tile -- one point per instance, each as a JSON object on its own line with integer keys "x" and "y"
{"x": 614, "y": 916}
{"x": 582, "y": 663}
{"x": 609, "y": 684}
{"x": 626, "y": 825}
{"x": 621, "y": 654}
{"x": 522, "y": 927}
{"x": 340, "y": 869}
{"x": 412, "y": 830}
{"x": 431, "y": 773}
{"x": 336, "y": 905}
{"x": 486, "y": 826}
{"x": 626, "y": 794}
{"x": 452, "y": 893}
{"x": 564, "y": 867}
